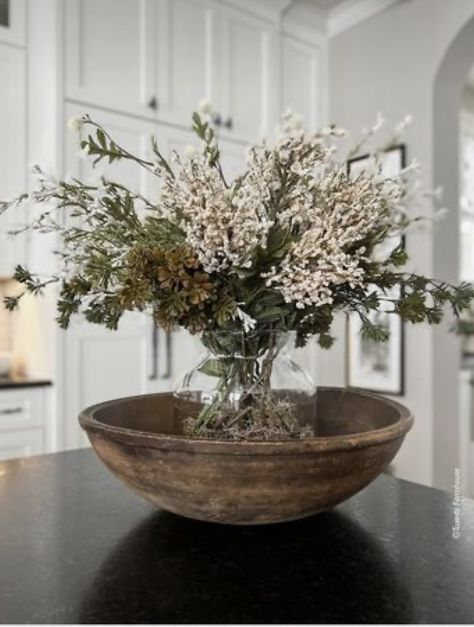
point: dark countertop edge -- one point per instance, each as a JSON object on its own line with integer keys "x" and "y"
{"x": 24, "y": 383}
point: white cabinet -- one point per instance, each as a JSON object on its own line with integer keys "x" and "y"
{"x": 109, "y": 53}
{"x": 246, "y": 50}
{"x": 14, "y": 444}
{"x": 303, "y": 67}
{"x": 100, "y": 365}
{"x": 158, "y": 58}
{"x": 150, "y": 58}
{"x": 185, "y": 56}
{"x": 24, "y": 423}
{"x": 13, "y": 22}
{"x": 12, "y": 150}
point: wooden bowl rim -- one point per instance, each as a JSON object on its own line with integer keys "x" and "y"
{"x": 176, "y": 442}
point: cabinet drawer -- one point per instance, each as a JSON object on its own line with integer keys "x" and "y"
{"x": 22, "y": 443}
{"x": 22, "y": 409}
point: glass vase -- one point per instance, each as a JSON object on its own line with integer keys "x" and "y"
{"x": 246, "y": 386}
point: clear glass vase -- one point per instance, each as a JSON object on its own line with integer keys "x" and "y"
{"x": 246, "y": 386}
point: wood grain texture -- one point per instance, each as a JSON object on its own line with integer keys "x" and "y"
{"x": 139, "y": 440}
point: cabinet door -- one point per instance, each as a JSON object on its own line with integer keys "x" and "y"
{"x": 15, "y": 444}
{"x": 13, "y": 22}
{"x": 12, "y": 151}
{"x": 109, "y": 54}
{"x": 245, "y": 52}
{"x": 23, "y": 422}
{"x": 303, "y": 80}
{"x": 184, "y": 71}
{"x": 100, "y": 365}
{"x": 22, "y": 409}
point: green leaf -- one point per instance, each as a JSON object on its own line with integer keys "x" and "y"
{"x": 374, "y": 332}
{"x": 11, "y": 302}
{"x": 278, "y": 242}
{"x": 101, "y": 138}
{"x": 325, "y": 340}
{"x": 399, "y": 256}
{"x": 273, "y": 314}
{"x": 212, "y": 367}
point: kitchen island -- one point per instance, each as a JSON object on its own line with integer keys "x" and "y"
{"x": 77, "y": 546}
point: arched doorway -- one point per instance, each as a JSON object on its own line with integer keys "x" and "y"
{"x": 448, "y": 435}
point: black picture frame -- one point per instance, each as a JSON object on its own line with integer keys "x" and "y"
{"x": 5, "y": 13}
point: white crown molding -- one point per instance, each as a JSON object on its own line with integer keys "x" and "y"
{"x": 353, "y": 12}
{"x": 305, "y": 20}
{"x": 268, "y": 9}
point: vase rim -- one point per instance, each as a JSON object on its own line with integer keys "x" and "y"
{"x": 248, "y": 334}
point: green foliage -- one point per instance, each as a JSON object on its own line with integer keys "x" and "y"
{"x": 399, "y": 256}
{"x": 100, "y": 148}
{"x": 372, "y": 331}
{"x": 11, "y": 302}
{"x": 464, "y": 327}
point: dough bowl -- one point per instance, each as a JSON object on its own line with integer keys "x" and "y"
{"x": 252, "y": 482}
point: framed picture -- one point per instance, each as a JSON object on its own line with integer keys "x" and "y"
{"x": 378, "y": 366}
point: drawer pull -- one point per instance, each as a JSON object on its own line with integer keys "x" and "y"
{"x": 153, "y": 103}
{"x": 11, "y": 410}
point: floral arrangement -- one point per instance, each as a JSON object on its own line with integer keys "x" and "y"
{"x": 284, "y": 247}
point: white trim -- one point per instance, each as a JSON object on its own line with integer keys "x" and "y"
{"x": 311, "y": 34}
{"x": 268, "y": 9}
{"x": 353, "y": 12}
{"x": 306, "y": 21}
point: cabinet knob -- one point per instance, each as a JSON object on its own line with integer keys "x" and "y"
{"x": 217, "y": 119}
{"x": 11, "y": 410}
{"x": 153, "y": 103}
{"x": 229, "y": 123}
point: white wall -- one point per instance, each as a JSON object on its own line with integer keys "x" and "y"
{"x": 389, "y": 63}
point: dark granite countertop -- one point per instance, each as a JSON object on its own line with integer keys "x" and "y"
{"x": 78, "y": 546}
{"x": 7, "y": 383}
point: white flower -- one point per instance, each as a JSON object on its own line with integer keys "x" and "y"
{"x": 190, "y": 152}
{"x": 291, "y": 123}
{"x": 379, "y": 122}
{"x": 76, "y": 123}
{"x": 247, "y": 321}
{"x": 205, "y": 107}
{"x": 296, "y": 121}
{"x": 223, "y": 226}
{"x": 402, "y": 125}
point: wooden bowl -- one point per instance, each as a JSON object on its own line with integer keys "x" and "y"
{"x": 359, "y": 433}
